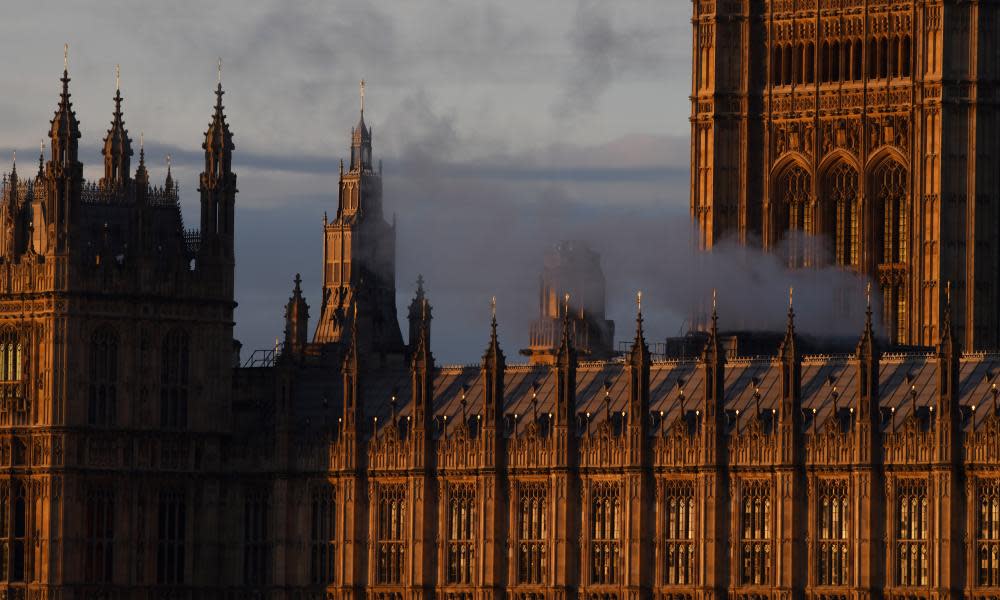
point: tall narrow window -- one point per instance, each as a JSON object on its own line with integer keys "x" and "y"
{"x": 98, "y": 561}
{"x": 256, "y": 543}
{"x": 988, "y": 538}
{"x": 12, "y": 402}
{"x": 531, "y": 532}
{"x": 678, "y": 533}
{"x": 174, "y": 380}
{"x": 461, "y": 533}
{"x": 776, "y": 65}
{"x": 911, "y": 533}
{"x": 391, "y": 538}
{"x": 755, "y": 533}
{"x": 840, "y": 212}
{"x": 323, "y": 536}
{"x": 904, "y": 56}
{"x": 103, "y": 392}
{"x": 856, "y": 55}
{"x": 605, "y": 532}
{"x": 790, "y": 211}
{"x": 832, "y": 527}
{"x": 171, "y": 532}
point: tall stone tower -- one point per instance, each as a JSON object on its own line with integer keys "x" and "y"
{"x": 857, "y": 133}
{"x": 572, "y": 281}
{"x": 359, "y": 255}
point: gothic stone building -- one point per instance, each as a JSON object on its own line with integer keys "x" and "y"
{"x": 136, "y": 461}
{"x": 862, "y": 134}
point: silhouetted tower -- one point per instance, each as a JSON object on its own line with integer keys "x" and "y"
{"x": 65, "y": 172}
{"x": 218, "y": 186}
{"x": 117, "y": 148}
{"x": 359, "y": 248}
{"x": 296, "y": 320}
{"x": 571, "y": 268}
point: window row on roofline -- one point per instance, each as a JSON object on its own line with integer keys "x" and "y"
{"x": 841, "y": 61}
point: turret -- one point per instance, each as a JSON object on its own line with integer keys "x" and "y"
{"x": 297, "y": 322}
{"x": 218, "y": 184}
{"x": 117, "y": 150}
{"x": 790, "y": 407}
{"x": 422, "y": 385}
{"x": 867, "y": 355}
{"x": 493, "y": 366}
{"x": 713, "y": 363}
{"x": 638, "y": 404}
{"x": 565, "y": 409}
{"x": 65, "y": 170}
{"x": 361, "y": 140}
{"x": 415, "y": 313}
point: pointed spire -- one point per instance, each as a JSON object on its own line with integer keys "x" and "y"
{"x": 493, "y": 355}
{"x": 361, "y": 140}
{"x": 640, "y": 351}
{"x": 65, "y": 129}
{"x": 168, "y": 184}
{"x": 13, "y": 167}
{"x": 296, "y": 320}
{"x": 218, "y": 138}
{"x": 41, "y": 160}
{"x": 117, "y": 145}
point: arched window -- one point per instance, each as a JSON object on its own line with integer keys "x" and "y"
{"x": 791, "y": 209}
{"x": 872, "y": 58}
{"x": 174, "y": 379}
{"x": 786, "y": 61}
{"x": 323, "y": 534}
{"x": 883, "y": 58}
{"x": 833, "y": 520}
{"x": 461, "y": 533}
{"x": 988, "y": 537}
{"x": 605, "y": 533}
{"x": 904, "y": 56}
{"x": 840, "y": 213}
{"x": 776, "y": 65}
{"x": 678, "y": 511}
{"x": 13, "y": 404}
{"x": 810, "y": 63}
{"x": 835, "y": 62}
{"x": 390, "y": 548}
{"x": 825, "y": 63}
{"x": 531, "y": 532}
{"x": 856, "y": 56}
{"x": 799, "y": 63}
{"x": 911, "y": 533}
{"x": 103, "y": 392}
{"x": 889, "y": 185}
{"x": 100, "y": 524}
{"x": 755, "y": 534}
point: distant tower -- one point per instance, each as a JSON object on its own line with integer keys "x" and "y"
{"x": 117, "y": 148}
{"x": 359, "y": 248}
{"x": 572, "y": 268}
{"x": 296, "y": 321}
{"x": 814, "y": 122}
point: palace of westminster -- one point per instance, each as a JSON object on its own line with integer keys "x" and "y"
{"x": 142, "y": 457}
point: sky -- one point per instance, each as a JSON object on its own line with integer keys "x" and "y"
{"x": 504, "y": 127}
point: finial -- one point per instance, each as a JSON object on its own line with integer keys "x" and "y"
{"x": 142, "y": 141}
{"x": 362, "y": 95}
{"x": 118, "y": 78}
{"x": 298, "y": 282}
{"x": 14, "y": 160}
{"x": 493, "y": 308}
{"x": 65, "y": 57}
{"x": 791, "y": 292}
{"x": 168, "y": 163}
{"x": 219, "y": 74}
{"x": 868, "y": 296}
{"x": 566, "y": 305}
{"x": 714, "y": 301}
{"x": 638, "y": 303}
{"x": 947, "y": 294}
{"x": 41, "y": 147}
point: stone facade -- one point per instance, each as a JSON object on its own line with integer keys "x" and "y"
{"x": 858, "y": 133}
{"x": 139, "y": 462}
